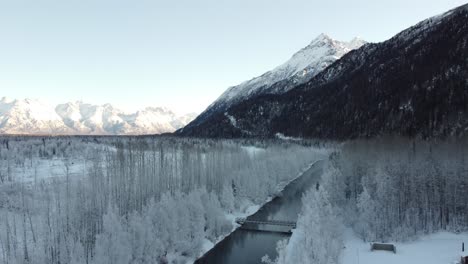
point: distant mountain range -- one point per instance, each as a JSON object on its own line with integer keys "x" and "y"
{"x": 414, "y": 84}
{"x": 34, "y": 117}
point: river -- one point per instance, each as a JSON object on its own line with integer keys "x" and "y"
{"x": 248, "y": 247}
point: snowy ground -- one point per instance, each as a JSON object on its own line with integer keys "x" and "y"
{"x": 43, "y": 169}
{"x": 438, "y": 248}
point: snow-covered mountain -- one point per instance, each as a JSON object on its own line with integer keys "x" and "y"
{"x": 414, "y": 84}
{"x": 301, "y": 68}
{"x": 31, "y": 116}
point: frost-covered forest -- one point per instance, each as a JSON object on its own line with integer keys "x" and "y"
{"x": 132, "y": 199}
{"x": 163, "y": 199}
{"x": 388, "y": 189}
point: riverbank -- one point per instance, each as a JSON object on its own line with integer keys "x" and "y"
{"x": 242, "y": 246}
{"x": 250, "y": 210}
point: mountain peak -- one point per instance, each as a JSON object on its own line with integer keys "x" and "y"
{"x": 6, "y": 100}
{"x": 356, "y": 43}
{"x": 159, "y": 109}
{"x": 322, "y": 37}
{"x": 325, "y": 40}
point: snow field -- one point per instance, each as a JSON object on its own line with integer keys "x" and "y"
{"x": 437, "y": 248}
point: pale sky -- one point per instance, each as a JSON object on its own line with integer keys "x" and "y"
{"x": 176, "y": 53}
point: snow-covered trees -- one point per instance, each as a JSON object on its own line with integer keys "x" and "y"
{"x": 113, "y": 244}
{"x": 149, "y": 200}
{"x": 405, "y": 187}
{"x": 318, "y": 236}
{"x": 170, "y": 230}
{"x": 227, "y": 198}
{"x": 367, "y": 218}
{"x": 385, "y": 189}
{"x": 413, "y": 186}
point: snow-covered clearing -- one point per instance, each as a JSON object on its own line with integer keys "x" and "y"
{"x": 44, "y": 169}
{"x": 438, "y": 248}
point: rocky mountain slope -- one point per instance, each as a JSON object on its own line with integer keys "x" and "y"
{"x": 302, "y": 67}
{"x": 415, "y": 84}
{"x": 35, "y": 117}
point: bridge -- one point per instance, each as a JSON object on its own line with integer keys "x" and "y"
{"x": 266, "y": 225}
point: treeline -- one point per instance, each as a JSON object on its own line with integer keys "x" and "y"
{"x": 140, "y": 200}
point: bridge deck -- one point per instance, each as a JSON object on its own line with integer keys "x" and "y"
{"x": 266, "y": 225}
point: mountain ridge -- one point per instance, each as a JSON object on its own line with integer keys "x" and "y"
{"x": 34, "y": 117}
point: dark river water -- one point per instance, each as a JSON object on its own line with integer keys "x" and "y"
{"x": 248, "y": 247}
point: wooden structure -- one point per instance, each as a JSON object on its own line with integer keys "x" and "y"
{"x": 383, "y": 246}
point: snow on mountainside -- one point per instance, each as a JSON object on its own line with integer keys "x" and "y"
{"x": 35, "y": 117}
{"x": 413, "y": 84}
{"x": 302, "y": 66}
